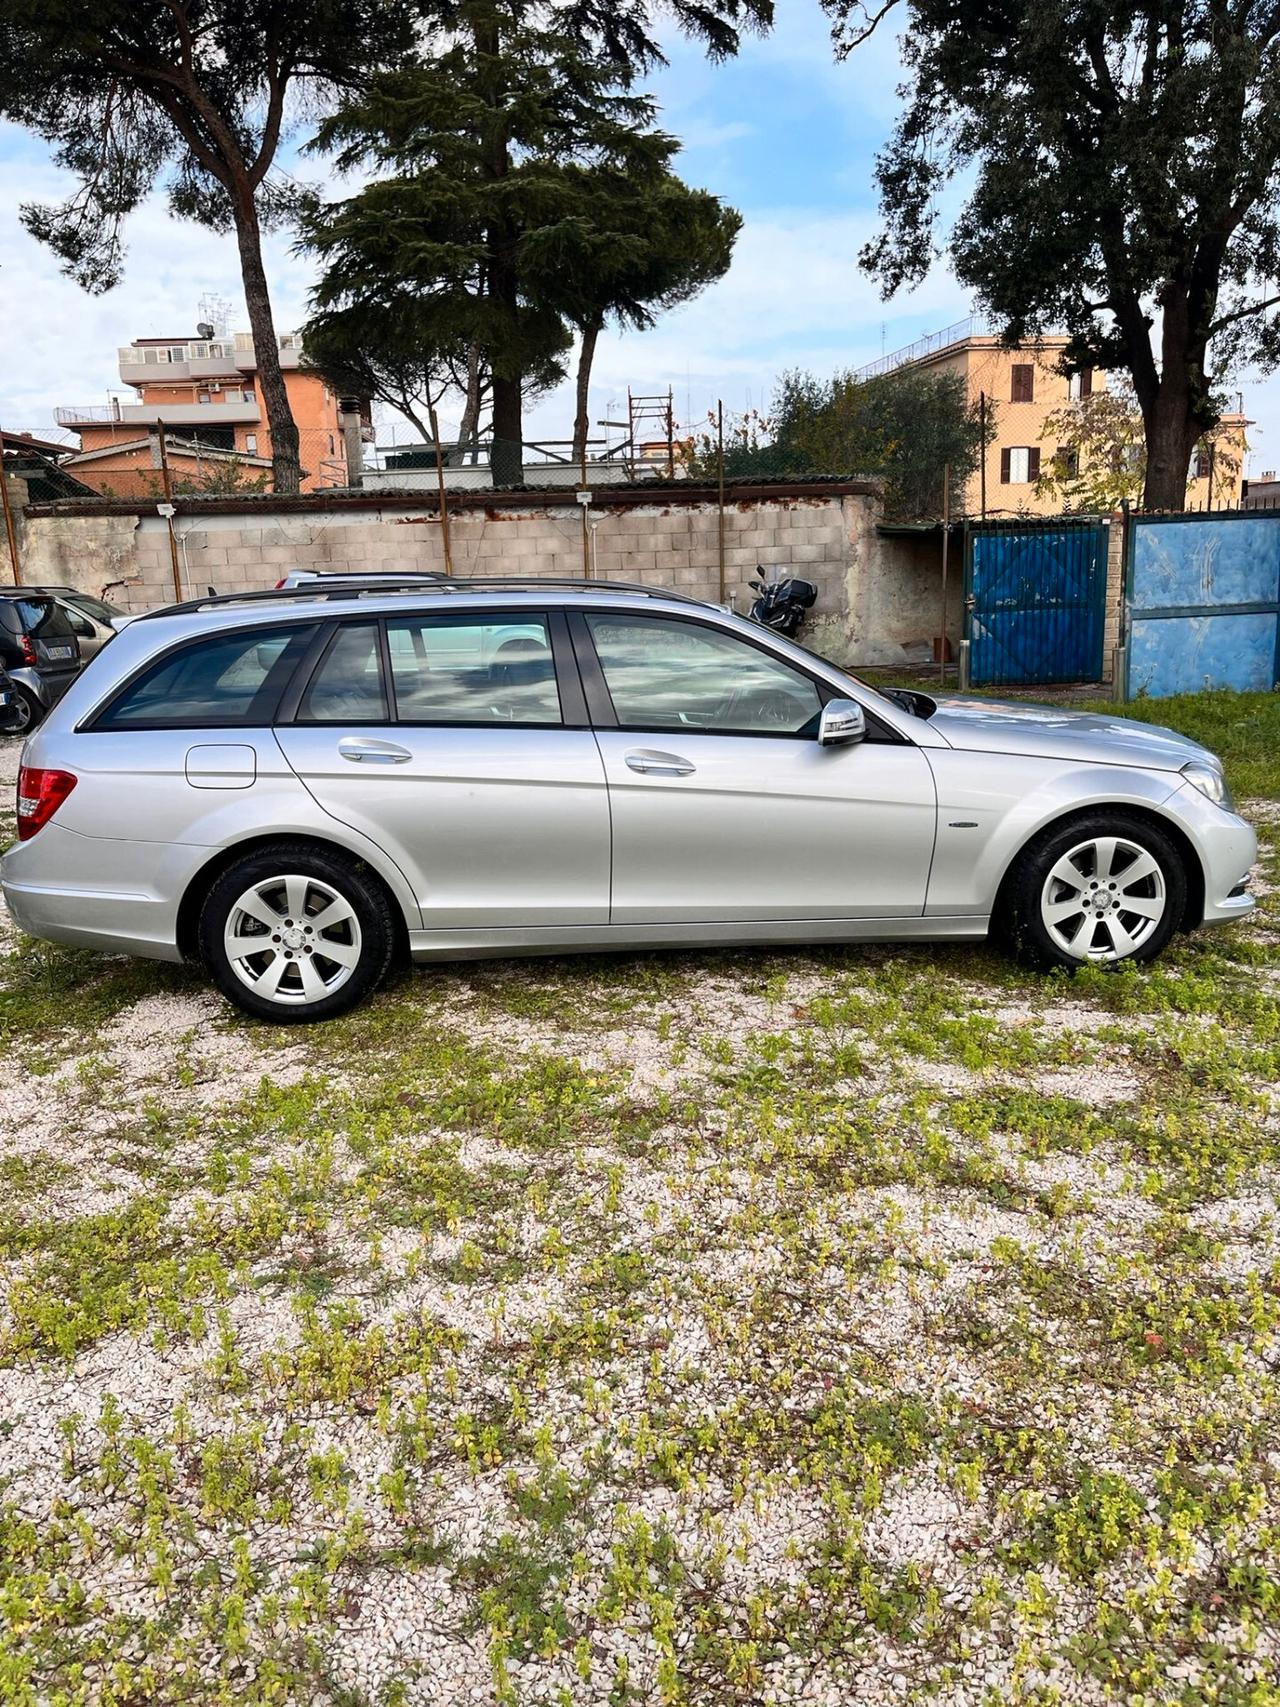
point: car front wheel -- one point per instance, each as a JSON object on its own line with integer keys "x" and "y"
{"x": 294, "y": 934}
{"x": 25, "y": 712}
{"x": 1101, "y": 889}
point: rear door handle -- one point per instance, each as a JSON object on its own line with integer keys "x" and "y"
{"x": 658, "y": 764}
{"x": 364, "y": 750}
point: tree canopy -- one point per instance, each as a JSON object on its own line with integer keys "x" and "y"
{"x": 516, "y": 172}
{"x": 1123, "y": 163}
{"x": 902, "y": 427}
{"x": 194, "y": 94}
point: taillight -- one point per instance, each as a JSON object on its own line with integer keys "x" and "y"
{"x": 40, "y": 793}
{"x": 28, "y": 646}
{"x": 280, "y": 583}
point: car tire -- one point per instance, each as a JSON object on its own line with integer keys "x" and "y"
{"x": 26, "y": 712}
{"x": 1101, "y": 889}
{"x": 326, "y": 929}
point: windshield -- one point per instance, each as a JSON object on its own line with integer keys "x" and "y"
{"x": 95, "y": 607}
{"x": 906, "y": 699}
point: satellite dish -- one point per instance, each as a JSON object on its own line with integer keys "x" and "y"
{"x": 204, "y": 330}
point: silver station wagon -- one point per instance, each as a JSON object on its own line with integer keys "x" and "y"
{"x": 300, "y": 787}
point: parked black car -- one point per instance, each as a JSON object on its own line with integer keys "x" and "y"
{"x": 7, "y": 712}
{"x": 39, "y": 649}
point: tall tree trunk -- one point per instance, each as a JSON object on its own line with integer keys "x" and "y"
{"x": 286, "y": 469}
{"x": 506, "y": 455}
{"x": 501, "y": 283}
{"x": 1171, "y": 435}
{"x": 1176, "y": 412}
{"x": 469, "y": 425}
{"x": 582, "y": 419}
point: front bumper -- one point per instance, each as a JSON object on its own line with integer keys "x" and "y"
{"x": 1228, "y": 849}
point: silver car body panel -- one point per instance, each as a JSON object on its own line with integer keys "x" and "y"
{"x": 519, "y": 839}
{"x": 487, "y": 824}
{"x": 766, "y": 828}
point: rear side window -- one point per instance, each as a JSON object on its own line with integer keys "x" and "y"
{"x": 42, "y": 619}
{"x": 455, "y": 670}
{"x": 347, "y": 686}
{"x": 230, "y": 680}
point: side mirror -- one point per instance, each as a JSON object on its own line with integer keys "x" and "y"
{"x": 843, "y": 722}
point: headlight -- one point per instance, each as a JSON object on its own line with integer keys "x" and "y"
{"x": 1211, "y": 782}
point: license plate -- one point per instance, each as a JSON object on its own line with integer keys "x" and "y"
{"x": 60, "y": 651}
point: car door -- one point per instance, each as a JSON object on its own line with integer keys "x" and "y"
{"x": 725, "y": 806}
{"x": 459, "y": 742}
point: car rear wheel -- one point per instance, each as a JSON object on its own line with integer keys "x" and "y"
{"x": 1104, "y": 888}
{"x": 294, "y": 934}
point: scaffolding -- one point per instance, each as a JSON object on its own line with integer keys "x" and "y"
{"x": 651, "y": 432}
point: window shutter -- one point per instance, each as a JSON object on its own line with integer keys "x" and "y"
{"x": 1086, "y": 382}
{"x": 1033, "y": 463}
{"x": 1023, "y": 388}
{"x": 1004, "y": 466}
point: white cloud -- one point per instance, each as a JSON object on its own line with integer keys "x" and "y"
{"x": 60, "y": 343}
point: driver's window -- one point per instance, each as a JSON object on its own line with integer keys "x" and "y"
{"x": 81, "y": 624}
{"x": 664, "y": 674}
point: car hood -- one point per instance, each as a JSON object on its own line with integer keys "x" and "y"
{"x": 1052, "y": 732}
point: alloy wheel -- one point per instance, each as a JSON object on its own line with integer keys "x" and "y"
{"x": 23, "y": 712}
{"x": 292, "y": 939}
{"x": 1103, "y": 899}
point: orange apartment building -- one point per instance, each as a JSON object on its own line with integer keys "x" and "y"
{"x": 1023, "y": 385}
{"x": 204, "y": 390}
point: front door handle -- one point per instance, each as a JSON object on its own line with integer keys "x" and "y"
{"x": 364, "y": 750}
{"x": 658, "y": 764}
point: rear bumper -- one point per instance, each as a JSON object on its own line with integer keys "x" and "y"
{"x": 129, "y": 907}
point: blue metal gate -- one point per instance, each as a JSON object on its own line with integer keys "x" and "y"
{"x": 1035, "y": 596}
{"x": 1204, "y": 603}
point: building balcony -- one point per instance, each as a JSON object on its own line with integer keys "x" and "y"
{"x": 87, "y": 414}
{"x": 290, "y": 350}
{"x": 187, "y": 414}
{"x": 211, "y": 358}
{"x": 208, "y": 359}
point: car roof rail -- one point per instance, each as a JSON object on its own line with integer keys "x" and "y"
{"x": 354, "y": 587}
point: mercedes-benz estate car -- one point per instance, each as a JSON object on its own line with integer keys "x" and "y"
{"x": 298, "y": 788}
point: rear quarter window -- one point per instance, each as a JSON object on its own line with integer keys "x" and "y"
{"x": 224, "y": 681}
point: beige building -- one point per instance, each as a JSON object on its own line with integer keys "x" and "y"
{"x": 1021, "y": 387}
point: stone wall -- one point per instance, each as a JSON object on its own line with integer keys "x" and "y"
{"x": 875, "y": 598}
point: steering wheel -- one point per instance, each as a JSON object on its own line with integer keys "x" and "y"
{"x": 762, "y": 708}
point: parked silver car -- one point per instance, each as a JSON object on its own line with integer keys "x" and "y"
{"x": 298, "y": 787}
{"x": 93, "y": 620}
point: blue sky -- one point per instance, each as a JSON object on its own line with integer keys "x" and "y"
{"x": 783, "y": 133}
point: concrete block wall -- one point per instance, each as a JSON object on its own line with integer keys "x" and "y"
{"x": 874, "y": 598}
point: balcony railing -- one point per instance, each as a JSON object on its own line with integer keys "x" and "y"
{"x": 73, "y": 415}
{"x": 167, "y": 355}
{"x": 190, "y": 414}
{"x": 957, "y": 333}
{"x": 290, "y": 345}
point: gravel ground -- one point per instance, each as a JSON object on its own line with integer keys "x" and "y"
{"x": 864, "y": 1326}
